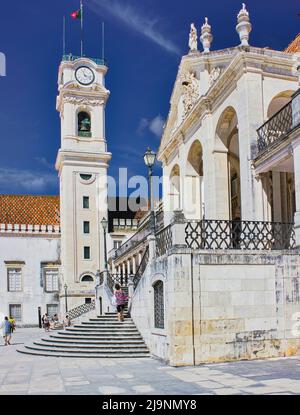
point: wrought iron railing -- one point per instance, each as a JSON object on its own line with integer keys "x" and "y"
{"x": 276, "y": 128}
{"x": 141, "y": 268}
{"x": 163, "y": 241}
{"x": 71, "y": 58}
{"x": 81, "y": 309}
{"x": 252, "y": 235}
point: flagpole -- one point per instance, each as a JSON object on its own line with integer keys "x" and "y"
{"x": 64, "y": 35}
{"x": 103, "y": 42}
{"x": 81, "y": 13}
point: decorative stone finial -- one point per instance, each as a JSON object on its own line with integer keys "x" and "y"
{"x": 244, "y": 26}
{"x": 193, "y": 41}
{"x": 206, "y": 36}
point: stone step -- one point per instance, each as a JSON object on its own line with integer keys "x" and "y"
{"x": 89, "y": 337}
{"x": 96, "y": 342}
{"x": 82, "y": 355}
{"x": 106, "y": 325}
{"x": 89, "y": 346}
{"x": 105, "y": 338}
{"x": 78, "y": 350}
{"x": 103, "y": 330}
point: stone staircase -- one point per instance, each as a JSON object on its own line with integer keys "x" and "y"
{"x": 102, "y": 337}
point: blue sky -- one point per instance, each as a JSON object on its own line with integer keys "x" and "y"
{"x": 144, "y": 42}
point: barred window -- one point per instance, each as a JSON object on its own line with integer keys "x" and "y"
{"x": 14, "y": 279}
{"x": 52, "y": 309}
{"x": 51, "y": 279}
{"x": 15, "y": 311}
{"x": 159, "y": 314}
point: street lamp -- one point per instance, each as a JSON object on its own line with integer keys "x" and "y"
{"x": 104, "y": 224}
{"x": 149, "y": 159}
{"x": 66, "y": 296}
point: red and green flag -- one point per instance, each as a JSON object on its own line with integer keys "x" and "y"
{"x": 76, "y": 14}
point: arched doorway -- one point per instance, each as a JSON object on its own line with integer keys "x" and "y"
{"x": 227, "y": 167}
{"x": 193, "y": 186}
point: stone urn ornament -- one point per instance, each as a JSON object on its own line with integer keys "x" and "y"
{"x": 206, "y": 37}
{"x": 244, "y": 26}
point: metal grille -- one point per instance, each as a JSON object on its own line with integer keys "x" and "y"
{"x": 141, "y": 268}
{"x": 163, "y": 241}
{"x": 222, "y": 234}
{"x": 82, "y": 309}
{"x": 15, "y": 311}
{"x": 159, "y": 315}
{"x": 120, "y": 279}
{"x": 51, "y": 280}
{"x": 52, "y": 309}
{"x": 276, "y": 128}
{"x": 14, "y": 279}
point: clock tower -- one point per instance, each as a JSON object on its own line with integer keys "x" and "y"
{"x": 82, "y": 163}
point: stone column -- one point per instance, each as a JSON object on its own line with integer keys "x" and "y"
{"x": 296, "y": 155}
{"x": 128, "y": 267}
{"x": 152, "y": 247}
{"x": 140, "y": 258}
{"x": 130, "y": 292}
{"x": 134, "y": 264}
{"x": 276, "y": 197}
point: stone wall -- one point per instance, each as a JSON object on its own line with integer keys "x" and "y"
{"x": 222, "y": 305}
{"x": 32, "y": 252}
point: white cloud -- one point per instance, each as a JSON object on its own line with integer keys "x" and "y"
{"x": 137, "y": 20}
{"x": 155, "y": 125}
{"x": 15, "y": 180}
{"x": 44, "y": 162}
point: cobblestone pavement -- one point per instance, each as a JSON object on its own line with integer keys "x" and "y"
{"x": 24, "y": 374}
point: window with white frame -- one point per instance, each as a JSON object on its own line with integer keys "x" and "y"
{"x": 51, "y": 279}
{"x": 117, "y": 244}
{"x": 14, "y": 279}
{"x": 15, "y": 311}
{"x": 52, "y": 309}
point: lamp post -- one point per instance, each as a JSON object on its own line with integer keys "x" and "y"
{"x": 104, "y": 224}
{"x": 149, "y": 159}
{"x": 66, "y": 296}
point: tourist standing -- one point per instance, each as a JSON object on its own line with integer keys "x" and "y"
{"x": 121, "y": 299}
{"x": 46, "y": 322}
{"x": 7, "y": 331}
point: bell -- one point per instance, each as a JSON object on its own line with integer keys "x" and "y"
{"x": 85, "y": 125}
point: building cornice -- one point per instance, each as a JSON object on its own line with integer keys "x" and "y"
{"x": 265, "y": 62}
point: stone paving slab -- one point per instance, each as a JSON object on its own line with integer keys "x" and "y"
{"x": 36, "y": 375}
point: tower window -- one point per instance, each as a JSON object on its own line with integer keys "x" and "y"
{"x": 86, "y": 202}
{"x": 86, "y": 227}
{"x": 84, "y": 124}
{"x": 87, "y": 252}
{"x": 86, "y": 176}
{"x": 87, "y": 278}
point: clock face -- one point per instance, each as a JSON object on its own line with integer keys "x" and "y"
{"x": 85, "y": 75}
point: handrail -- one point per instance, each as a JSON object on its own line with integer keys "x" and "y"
{"x": 141, "y": 269}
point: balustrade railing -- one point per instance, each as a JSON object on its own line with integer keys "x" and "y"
{"x": 163, "y": 241}
{"x": 81, "y": 309}
{"x": 252, "y": 235}
{"x": 138, "y": 238}
{"x": 276, "y": 128}
{"x": 141, "y": 268}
